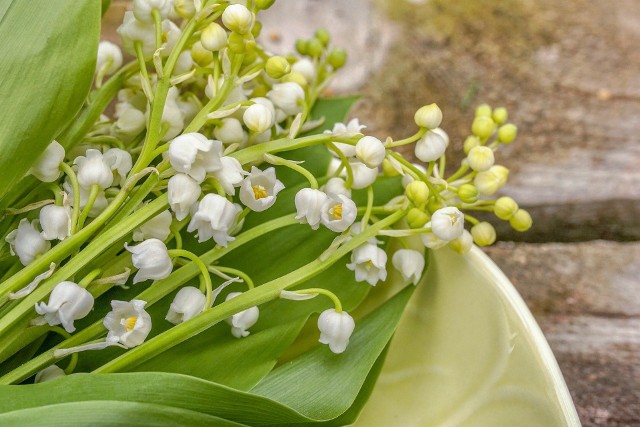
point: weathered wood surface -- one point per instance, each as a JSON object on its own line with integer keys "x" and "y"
{"x": 569, "y": 72}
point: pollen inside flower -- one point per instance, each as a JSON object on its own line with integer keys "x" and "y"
{"x": 336, "y": 211}
{"x": 259, "y": 192}
{"x": 129, "y": 323}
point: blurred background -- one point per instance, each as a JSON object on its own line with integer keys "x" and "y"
{"x": 569, "y": 74}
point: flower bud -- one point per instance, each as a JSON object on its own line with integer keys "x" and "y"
{"x": 200, "y": 55}
{"x": 507, "y": 133}
{"x": 370, "y": 151}
{"x": 468, "y": 193}
{"x": 302, "y": 46}
{"x": 309, "y": 204}
{"x": 47, "y": 165}
{"x": 185, "y": 8}
{"x": 463, "y": 243}
{"x": 483, "y": 127}
{"x": 388, "y": 169}
{"x": 337, "y": 58}
{"x": 447, "y": 223}
{"x": 483, "y": 234}
{"x": 68, "y": 302}
{"x": 109, "y": 57}
{"x": 142, "y": 9}
{"x": 243, "y": 320}
{"x": 481, "y": 158}
{"x": 483, "y": 110}
{"x": 501, "y": 173}
{"x": 500, "y": 115}
{"x": 305, "y": 67}
{"x": 26, "y": 242}
{"x": 151, "y": 258}
{"x": 434, "y": 204}
{"x": 230, "y": 131}
{"x": 429, "y": 116}
{"x": 277, "y": 67}
{"x": 264, "y": 4}
{"x": 297, "y": 78}
{"x": 417, "y": 192}
{"x": 432, "y": 146}
{"x": 406, "y": 179}
{"x": 470, "y": 142}
{"x": 214, "y": 219}
{"x": 188, "y": 303}
{"x": 237, "y": 18}
{"x": 93, "y": 170}
{"x": 337, "y": 185}
{"x": 49, "y": 373}
{"x": 182, "y": 191}
{"x": 409, "y": 263}
{"x": 505, "y": 208}
{"x": 128, "y": 323}
{"x": 130, "y": 123}
{"x": 120, "y": 163}
{"x": 363, "y": 175}
{"x": 314, "y": 47}
{"x": 417, "y": 218}
{"x": 338, "y": 212}
{"x": 323, "y": 36}
{"x": 335, "y": 329}
{"x": 521, "y": 221}
{"x": 287, "y": 97}
{"x": 213, "y": 37}
{"x": 486, "y": 182}
{"x": 55, "y": 222}
{"x": 258, "y": 118}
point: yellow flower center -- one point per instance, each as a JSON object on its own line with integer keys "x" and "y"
{"x": 259, "y": 192}
{"x": 336, "y": 211}
{"x": 129, "y": 323}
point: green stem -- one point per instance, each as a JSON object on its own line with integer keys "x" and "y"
{"x": 86, "y": 280}
{"x": 345, "y": 163}
{"x": 203, "y": 269}
{"x": 275, "y": 160}
{"x": 241, "y": 274}
{"x": 74, "y": 357}
{"x": 73, "y": 179}
{"x": 56, "y": 192}
{"x": 322, "y": 291}
{"x": 93, "y": 195}
{"x": 409, "y": 140}
{"x": 157, "y": 21}
{"x": 367, "y": 213}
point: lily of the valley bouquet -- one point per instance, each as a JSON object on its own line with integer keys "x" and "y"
{"x": 192, "y": 237}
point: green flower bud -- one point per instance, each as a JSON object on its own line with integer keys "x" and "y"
{"x": 237, "y": 18}
{"x": 256, "y": 29}
{"x": 264, "y": 4}
{"x": 486, "y": 182}
{"x": 429, "y": 116}
{"x": 500, "y": 115}
{"x": 185, "y": 8}
{"x": 315, "y": 47}
{"x": 200, "y": 55}
{"x": 468, "y": 193}
{"x": 483, "y": 110}
{"x": 462, "y": 244}
{"x": 470, "y": 142}
{"x": 259, "y": 91}
{"x": 521, "y": 221}
{"x": 505, "y": 208}
{"x": 501, "y": 173}
{"x": 213, "y": 37}
{"x": 483, "y": 234}
{"x": 417, "y": 192}
{"x": 388, "y": 169}
{"x": 323, "y": 36}
{"x": 250, "y": 54}
{"x": 302, "y": 46}
{"x": 417, "y": 218}
{"x": 277, "y": 67}
{"x": 236, "y": 43}
{"x": 507, "y": 133}
{"x": 483, "y": 127}
{"x": 480, "y": 158}
{"x": 434, "y": 204}
{"x": 337, "y": 58}
{"x": 295, "y": 78}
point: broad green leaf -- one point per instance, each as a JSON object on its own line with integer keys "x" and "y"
{"x": 46, "y": 66}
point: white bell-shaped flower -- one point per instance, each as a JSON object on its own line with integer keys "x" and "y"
{"x": 188, "y": 303}
{"x": 432, "y": 146}
{"x": 47, "y": 165}
{"x": 184, "y": 64}
{"x": 370, "y": 151}
{"x": 133, "y": 30}
{"x": 463, "y": 243}
{"x": 237, "y": 18}
{"x": 157, "y": 227}
{"x": 353, "y": 127}
{"x": 172, "y": 116}
{"x": 309, "y": 204}
{"x": 231, "y": 175}
{"x": 142, "y": 9}
{"x": 120, "y": 162}
{"x": 258, "y": 118}
{"x": 230, "y": 131}
{"x": 410, "y": 264}
{"x": 49, "y": 373}
{"x": 109, "y": 57}
{"x": 447, "y": 223}
{"x": 195, "y": 155}
{"x": 55, "y": 222}
{"x": 337, "y": 185}
{"x": 26, "y": 242}
{"x": 152, "y": 260}
{"x": 306, "y": 68}
{"x": 287, "y": 97}
{"x": 93, "y": 170}
{"x": 128, "y": 323}
{"x": 182, "y": 191}
{"x": 68, "y": 302}
{"x": 214, "y": 218}
{"x": 363, "y": 175}
{"x": 338, "y": 212}
{"x": 369, "y": 262}
{"x": 242, "y": 321}
{"x": 335, "y": 329}
{"x": 258, "y": 191}
{"x": 130, "y": 123}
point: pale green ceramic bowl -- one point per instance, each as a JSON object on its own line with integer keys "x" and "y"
{"x": 469, "y": 353}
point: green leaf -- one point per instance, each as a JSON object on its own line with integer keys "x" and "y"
{"x": 46, "y": 67}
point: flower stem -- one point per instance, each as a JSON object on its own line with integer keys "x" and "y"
{"x": 73, "y": 179}
{"x": 93, "y": 195}
{"x": 203, "y": 269}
